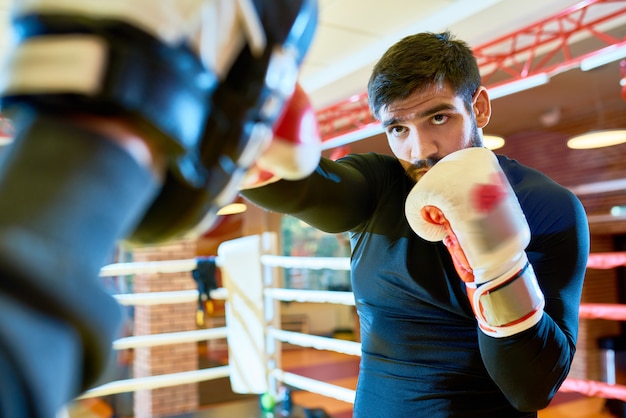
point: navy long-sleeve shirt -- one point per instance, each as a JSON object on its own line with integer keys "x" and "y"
{"x": 422, "y": 353}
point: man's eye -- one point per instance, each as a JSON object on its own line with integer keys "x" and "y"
{"x": 439, "y": 119}
{"x": 397, "y": 130}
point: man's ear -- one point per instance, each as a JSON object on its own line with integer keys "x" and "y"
{"x": 481, "y": 105}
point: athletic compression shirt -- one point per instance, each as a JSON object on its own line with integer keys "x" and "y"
{"x": 422, "y": 353}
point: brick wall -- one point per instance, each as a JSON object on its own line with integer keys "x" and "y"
{"x": 151, "y": 361}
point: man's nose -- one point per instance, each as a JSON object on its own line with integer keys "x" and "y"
{"x": 422, "y": 147}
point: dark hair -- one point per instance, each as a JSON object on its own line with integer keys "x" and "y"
{"x": 420, "y": 61}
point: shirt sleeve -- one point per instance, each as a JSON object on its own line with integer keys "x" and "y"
{"x": 335, "y": 198}
{"x": 529, "y": 367}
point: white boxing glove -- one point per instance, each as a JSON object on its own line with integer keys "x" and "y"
{"x": 295, "y": 149}
{"x": 466, "y": 201}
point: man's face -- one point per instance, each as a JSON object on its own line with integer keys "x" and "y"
{"x": 432, "y": 123}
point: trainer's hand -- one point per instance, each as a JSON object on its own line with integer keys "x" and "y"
{"x": 295, "y": 149}
{"x": 466, "y": 201}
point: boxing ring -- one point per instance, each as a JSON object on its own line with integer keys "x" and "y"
{"x": 253, "y": 295}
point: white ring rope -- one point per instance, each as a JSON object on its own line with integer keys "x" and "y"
{"x": 282, "y": 294}
{"x": 163, "y": 298}
{"x": 314, "y": 296}
{"x": 352, "y": 348}
{"x": 315, "y": 386}
{"x": 148, "y": 267}
{"x": 169, "y": 338}
{"x": 156, "y": 382}
{"x": 179, "y": 266}
{"x": 311, "y": 263}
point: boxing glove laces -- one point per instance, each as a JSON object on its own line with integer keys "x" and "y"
{"x": 466, "y": 201}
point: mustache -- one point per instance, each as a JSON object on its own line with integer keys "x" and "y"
{"x": 419, "y": 167}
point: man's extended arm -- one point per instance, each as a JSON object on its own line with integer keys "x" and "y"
{"x": 334, "y": 198}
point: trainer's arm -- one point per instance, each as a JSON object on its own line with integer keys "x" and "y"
{"x": 335, "y": 198}
{"x": 67, "y": 194}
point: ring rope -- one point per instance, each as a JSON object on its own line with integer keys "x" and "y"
{"x": 311, "y": 263}
{"x": 592, "y": 388}
{"x": 314, "y": 296}
{"x": 611, "y": 311}
{"x": 169, "y": 338}
{"x": 315, "y": 386}
{"x": 178, "y": 266}
{"x": 314, "y": 341}
{"x": 162, "y": 298}
{"x": 606, "y": 260}
{"x": 148, "y": 267}
{"x": 157, "y": 382}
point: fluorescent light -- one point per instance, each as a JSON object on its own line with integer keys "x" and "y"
{"x": 345, "y": 139}
{"x": 604, "y": 56}
{"x": 493, "y": 142}
{"x": 606, "y": 186}
{"x": 519, "y": 85}
{"x": 598, "y": 139}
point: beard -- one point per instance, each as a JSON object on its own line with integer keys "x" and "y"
{"x": 418, "y": 168}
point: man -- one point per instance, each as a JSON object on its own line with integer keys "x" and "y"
{"x": 134, "y": 119}
{"x": 427, "y": 350}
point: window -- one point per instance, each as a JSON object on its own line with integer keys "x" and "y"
{"x": 302, "y": 240}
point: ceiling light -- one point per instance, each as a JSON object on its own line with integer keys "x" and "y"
{"x": 605, "y": 56}
{"x": 518, "y": 85}
{"x": 493, "y": 142}
{"x": 618, "y": 211}
{"x": 232, "y": 209}
{"x": 598, "y": 139}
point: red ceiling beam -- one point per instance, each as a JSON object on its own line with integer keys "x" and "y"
{"x": 535, "y": 48}
{"x": 543, "y": 47}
